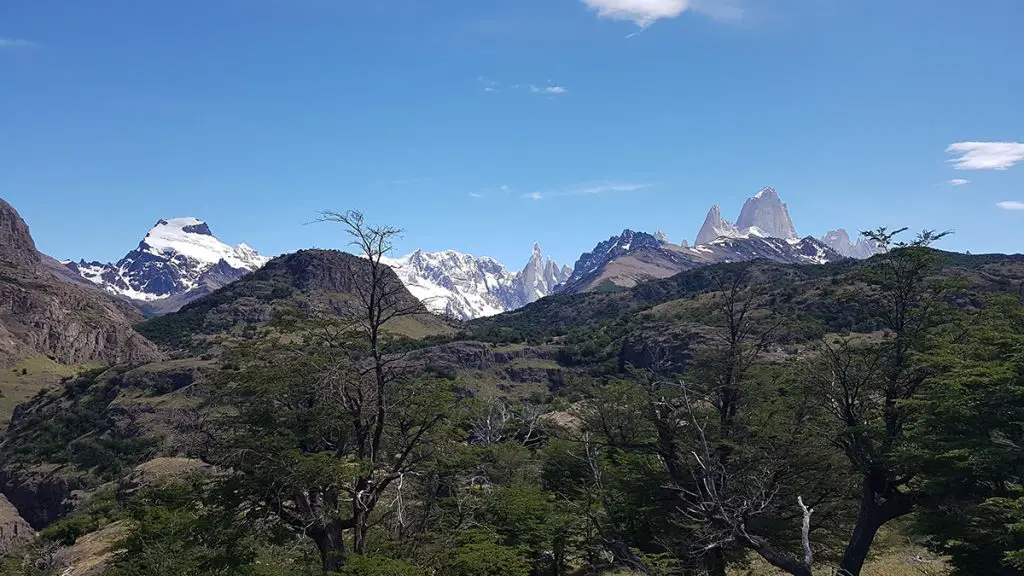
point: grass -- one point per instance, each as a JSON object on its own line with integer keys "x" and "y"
{"x": 24, "y": 380}
{"x": 418, "y": 326}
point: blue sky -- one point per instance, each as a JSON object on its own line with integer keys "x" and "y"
{"x": 486, "y": 125}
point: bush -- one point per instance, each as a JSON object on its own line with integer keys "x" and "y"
{"x": 486, "y": 559}
{"x": 377, "y": 566}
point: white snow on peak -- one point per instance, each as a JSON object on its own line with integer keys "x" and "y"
{"x": 91, "y": 272}
{"x": 180, "y": 236}
{"x": 173, "y": 258}
{"x": 465, "y": 286}
{"x": 453, "y": 283}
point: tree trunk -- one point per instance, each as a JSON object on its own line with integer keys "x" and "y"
{"x": 359, "y": 531}
{"x": 860, "y": 542}
{"x": 331, "y": 544}
{"x": 714, "y": 562}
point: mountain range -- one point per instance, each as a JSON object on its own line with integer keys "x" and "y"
{"x": 129, "y": 403}
{"x": 180, "y": 260}
{"x": 464, "y": 287}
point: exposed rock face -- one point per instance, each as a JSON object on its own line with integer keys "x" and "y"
{"x": 766, "y": 212}
{"x": 43, "y": 313}
{"x": 839, "y": 240}
{"x": 16, "y": 246}
{"x": 14, "y": 530}
{"x": 763, "y": 215}
{"x": 714, "y": 227}
{"x": 592, "y": 263}
{"x": 40, "y": 496}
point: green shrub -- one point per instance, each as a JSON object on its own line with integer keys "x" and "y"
{"x": 377, "y": 566}
{"x": 486, "y": 559}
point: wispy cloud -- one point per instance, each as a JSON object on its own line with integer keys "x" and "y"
{"x": 985, "y": 155}
{"x": 548, "y": 89}
{"x": 488, "y": 84}
{"x": 475, "y": 195}
{"x": 407, "y": 181}
{"x": 604, "y": 187}
{"x": 1011, "y": 205}
{"x": 590, "y": 189}
{"x": 551, "y": 89}
{"x": 959, "y": 182}
{"x": 643, "y": 13}
{"x": 16, "y": 43}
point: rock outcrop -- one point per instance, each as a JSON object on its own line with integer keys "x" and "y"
{"x": 42, "y": 312}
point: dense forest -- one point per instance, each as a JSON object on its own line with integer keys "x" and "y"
{"x": 748, "y": 418}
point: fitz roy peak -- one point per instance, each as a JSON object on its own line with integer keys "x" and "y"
{"x": 763, "y": 215}
{"x": 465, "y": 287}
{"x": 178, "y": 261}
{"x": 763, "y": 230}
{"x": 766, "y": 212}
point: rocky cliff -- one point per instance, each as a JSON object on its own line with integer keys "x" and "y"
{"x": 41, "y": 312}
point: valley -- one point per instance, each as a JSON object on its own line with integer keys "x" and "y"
{"x": 558, "y": 421}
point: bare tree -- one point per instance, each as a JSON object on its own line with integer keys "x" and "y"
{"x": 382, "y": 298}
{"x": 333, "y": 427}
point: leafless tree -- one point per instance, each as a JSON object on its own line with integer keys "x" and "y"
{"x": 372, "y": 422}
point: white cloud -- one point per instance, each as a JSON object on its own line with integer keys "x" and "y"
{"x": 958, "y": 182}
{"x": 16, "y": 43}
{"x": 1011, "y": 205}
{"x": 475, "y": 195}
{"x": 643, "y": 13}
{"x": 590, "y": 189}
{"x": 603, "y": 187}
{"x": 554, "y": 89}
{"x": 986, "y": 155}
{"x": 495, "y": 86}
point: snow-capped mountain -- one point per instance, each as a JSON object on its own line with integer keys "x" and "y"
{"x": 839, "y": 240}
{"x": 466, "y": 287}
{"x": 763, "y": 215}
{"x": 179, "y": 260}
